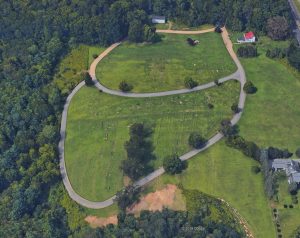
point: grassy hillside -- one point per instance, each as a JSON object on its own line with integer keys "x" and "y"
{"x": 98, "y": 125}
{"x": 164, "y": 65}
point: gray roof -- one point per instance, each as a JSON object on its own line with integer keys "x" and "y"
{"x": 291, "y": 168}
{"x": 295, "y": 177}
{"x": 281, "y": 163}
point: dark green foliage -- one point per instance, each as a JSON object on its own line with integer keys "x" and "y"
{"x": 150, "y": 34}
{"x": 139, "y": 150}
{"x": 196, "y": 140}
{"x": 190, "y": 83}
{"x": 173, "y": 165}
{"x": 293, "y": 188}
{"x": 298, "y": 153}
{"x": 249, "y": 88}
{"x": 125, "y": 87}
{"x": 235, "y": 108}
{"x": 294, "y": 56}
{"x": 247, "y": 51}
{"x": 278, "y": 28}
{"x": 217, "y": 82}
{"x": 227, "y": 129}
{"x": 255, "y": 169}
{"x": 127, "y": 197}
{"x": 275, "y": 153}
{"x": 218, "y": 29}
{"x": 269, "y": 178}
{"x": 248, "y": 148}
{"x": 88, "y": 79}
{"x": 278, "y": 53}
{"x": 136, "y": 31}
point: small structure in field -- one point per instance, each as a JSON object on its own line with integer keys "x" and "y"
{"x": 248, "y": 37}
{"x": 192, "y": 42}
{"x": 158, "y": 19}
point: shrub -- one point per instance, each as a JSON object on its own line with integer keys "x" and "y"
{"x": 294, "y": 199}
{"x": 88, "y": 79}
{"x": 247, "y": 51}
{"x": 127, "y": 197}
{"x": 218, "y": 29}
{"x": 235, "y": 108}
{"x": 275, "y": 153}
{"x": 196, "y": 140}
{"x": 294, "y": 56}
{"x": 249, "y": 88}
{"x": 255, "y": 169}
{"x": 217, "y": 82}
{"x": 210, "y": 106}
{"x": 190, "y": 83}
{"x": 285, "y": 206}
{"x": 190, "y": 41}
{"x": 293, "y": 187}
{"x": 291, "y": 206}
{"x": 125, "y": 87}
{"x": 174, "y": 165}
{"x": 298, "y": 153}
{"x": 95, "y": 56}
{"x": 276, "y": 53}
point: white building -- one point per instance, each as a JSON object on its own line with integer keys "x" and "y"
{"x": 158, "y": 19}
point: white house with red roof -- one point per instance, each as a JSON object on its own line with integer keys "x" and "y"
{"x": 248, "y": 37}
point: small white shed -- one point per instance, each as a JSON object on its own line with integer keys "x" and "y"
{"x": 158, "y": 19}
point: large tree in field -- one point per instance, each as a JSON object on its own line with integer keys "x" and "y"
{"x": 174, "y": 165}
{"x": 278, "y": 28}
{"x": 139, "y": 152}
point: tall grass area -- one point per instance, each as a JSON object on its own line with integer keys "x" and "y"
{"x": 165, "y": 65}
{"x": 69, "y": 72}
{"x": 98, "y": 125}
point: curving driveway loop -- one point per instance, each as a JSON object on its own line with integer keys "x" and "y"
{"x": 238, "y": 75}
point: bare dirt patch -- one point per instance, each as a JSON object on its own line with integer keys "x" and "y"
{"x": 101, "y": 221}
{"x": 169, "y": 197}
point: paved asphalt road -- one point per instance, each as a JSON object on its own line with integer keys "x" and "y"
{"x": 238, "y": 75}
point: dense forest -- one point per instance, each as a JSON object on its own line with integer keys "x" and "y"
{"x": 34, "y": 36}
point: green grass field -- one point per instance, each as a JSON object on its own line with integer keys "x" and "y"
{"x": 270, "y": 118}
{"x": 289, "y": 217}
{"x": 98, "y": 125}
{"x": 226, "y": 173}
{"x": 164, "y": 65}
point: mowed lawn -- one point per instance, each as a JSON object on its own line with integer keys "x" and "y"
{"x": 289, "y": 217}
{"x": 226, "y": 173}
{"x": 165, "y": 65}
{"x": 98, "y": 125}
{"x": 272, "y": 117}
